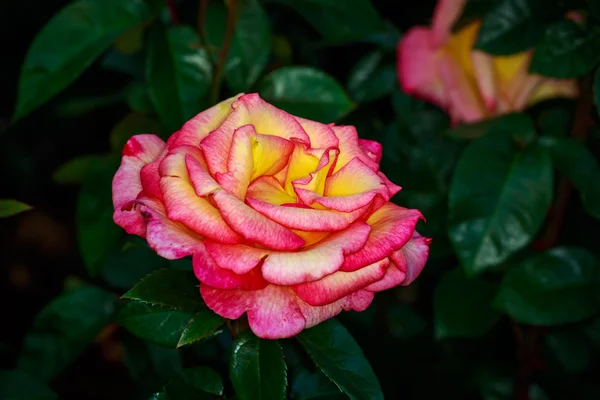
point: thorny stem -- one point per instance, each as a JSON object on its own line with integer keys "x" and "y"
{"x": 527, "y": 342}
{"x": 232, "y": 15}
{"x": 172, "y": 11}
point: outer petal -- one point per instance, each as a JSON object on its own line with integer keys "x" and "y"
{"x": 138, "y": 151}
{"x": 209, "y": 273}
{"x": 339, "y": 284}
{"x": 201, "y": 125}
{"x": 464, "y": 103}
{"x": 418, "y": 60}
{"x": 317, "y": 261}
{"x": 254, "y": 226}
{"x": 551, "y": 88}
{"x": 391, "y": 228}
{"x": 407, "y": 263}
{"x": 483, "y": 65}
{"x": 169, "y": 239}
{"x": 371, "y": 148}
{"x": 182, "y": 203}
{"x": 277, "y": 312}
{"x": 446, "y": 13}
{"x": 238, "y": 258}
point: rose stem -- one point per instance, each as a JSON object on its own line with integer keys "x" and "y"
{"x": 232, "y": 15}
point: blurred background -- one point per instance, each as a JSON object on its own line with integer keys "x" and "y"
{"x": 59, "y": 158}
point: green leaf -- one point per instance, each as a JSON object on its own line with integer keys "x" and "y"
{"x": 156, "y": 324}
{"x": 77, "y": 169}
{"x": 18, "y": 385}
{"x": 309, "y": 385}
{"x": 575, "y": 161}
{"x": 181, "y": 390}
{"x": 138, "y": 98}
{"x": 202, "y": 325}
{"x": 9, "y": 207}
{"x": 257, "y": 368}
{"x": 97, "y": 233}
{"x": 134, "y": 123}
{"x": 370, "y": 80}
{"x": 556, "y": 287}
{"x": 463, "y": 307}
{"x": 250, "y": 45}
{"x": 63, "y": 329}
{"x": 570, "y": 349}
{"x": 518, "y": 123}
{"x": 337, "y": 354}
{"x": 178, "y": 74}
{"x": 498, "y": 200}
{"x": 306, "y": 92}
{"x": 174, "y": 288}
{"x": 151, "y": 365}
{"x": 124, "y": 268}
{"x": 204, "y": 379}
{"x": 89, "y": 27}
{"x": 511, "y": 26}
{"x": 567, "y": 50}
{"x": 337, "y": 20}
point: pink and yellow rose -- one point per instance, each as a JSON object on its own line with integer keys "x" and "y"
{"x": 444, "y": 68}
{"x": 286, "y": 219}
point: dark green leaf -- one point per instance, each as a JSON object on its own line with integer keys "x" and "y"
{"x": 77, "y": 169}
{"x": 97, "y": 233}
{"x": 134, "y": 123}
{"x": 337, "y": 354}
{"x": 337, "y": 20}
{"x": 307, "y": 385}
{"x": 9, "y": 207}
{"x": 512, "y": 26}
{"x": 257, "y": 368}
{"x": 159, "y": 396}
{"x": 174, "y": 288}
{"x": 495, "y": 386}
{"x": 518, "y": 124}
{"x": 124, "y": 268}
{"x": 151, "y": 365}
{"x": 17, "y": 385}
{"x": 370, "y": 80}
{"x": 156, "y": 324}
{"x": 567, "y": 50}
{"x": 204, "y": 324}
{"x": 574, "y": 160}
{"x": 250, "y": 45}
{"x": 558, "y": 286}
{"x": 139, "y": 100}
{"x": 555, "y": 121}
{"x": 306, "y": 92}
{"x": 178, "y": 74}
{"x": 463, "y": 307}
{"x": 570, "y": 349}
{"x": 181, "y": 390}
{"x": 498, "y": 200}
{"x": 89, "y": 27}
{"x": 63, "y": 328}
{"x": 131, "y": 64}
{"x": 204, "y": 379}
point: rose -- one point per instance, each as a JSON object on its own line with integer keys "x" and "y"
{"x": 287, "y": 220}
{"x": 470, "y": 85}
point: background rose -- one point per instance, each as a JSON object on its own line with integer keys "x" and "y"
{"x": 287, "y": 219}
{"x": 442, "y": 67}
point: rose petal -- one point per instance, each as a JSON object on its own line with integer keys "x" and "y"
{"x": 372, "y": 149}
{"x": 350, "y": 148}
{"x": 446, "y": 13}
{"x": 406, "y": 264}
{"x": 182, "y": 203}
{"x": 392, "y": 227}
{"x": 339, "y": 284}
{"x": 317, "y": 261}
{"x": 209, "y": 273}
{"x": 138, "y": 151}
{"x": 254, "y": 226}
{"x": 321, "y": 135}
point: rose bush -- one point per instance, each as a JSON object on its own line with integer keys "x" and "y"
{"x": 287, "y": 220}
{"x": 443, "y": 67}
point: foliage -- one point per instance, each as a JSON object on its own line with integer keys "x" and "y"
{"x": 514, "y": 260}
